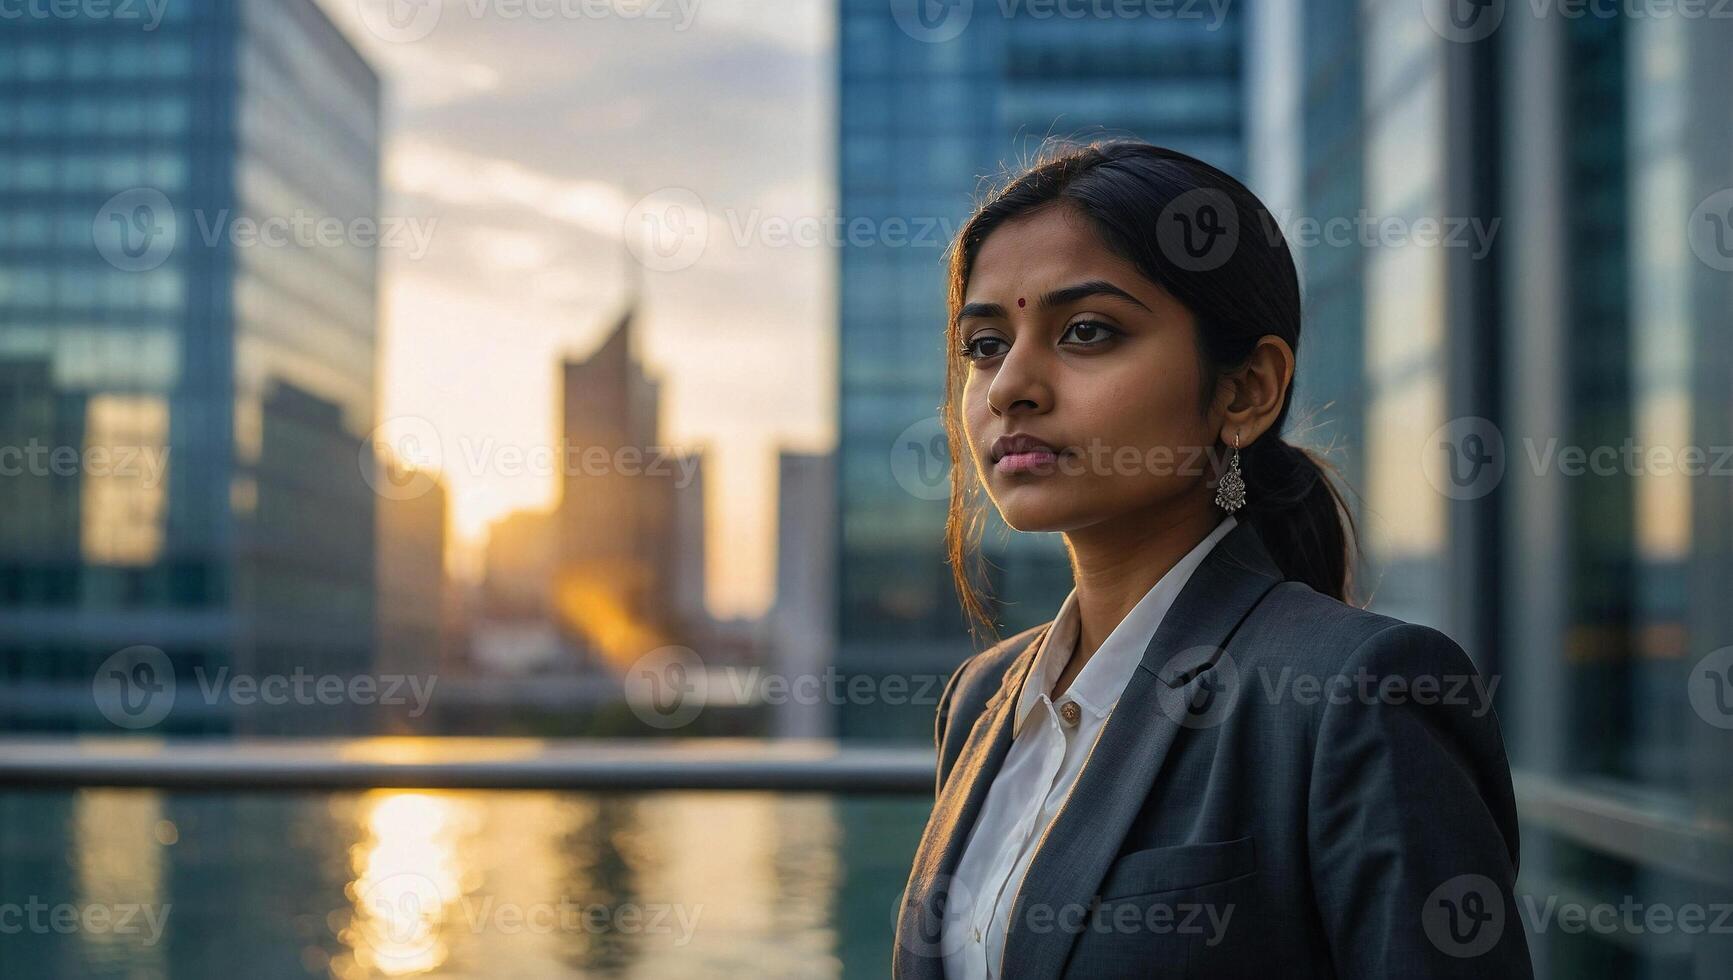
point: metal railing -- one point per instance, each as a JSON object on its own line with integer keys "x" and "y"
{"x": 791, "y": 765}
{"x": 1648, "y": 832}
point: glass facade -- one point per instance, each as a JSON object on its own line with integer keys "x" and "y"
{"x": 1404, "y": 306}
{"x": 1615, "y": 630}
{"x": 926, "y": 111}
{"x": 1587, "y": 572}
{"x": 205, "y": 388}
{"x": 1330, "y": 380}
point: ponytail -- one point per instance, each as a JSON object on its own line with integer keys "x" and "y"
{"x": 1300, "y": 513}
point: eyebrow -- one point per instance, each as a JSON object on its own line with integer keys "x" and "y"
{"x": 1058, "y": 297}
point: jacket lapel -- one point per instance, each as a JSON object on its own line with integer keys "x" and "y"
{"x": 921, "y": 916}
{"x": 1074, "y": 853}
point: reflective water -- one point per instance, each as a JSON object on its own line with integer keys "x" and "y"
{"x": 390, "y": 883}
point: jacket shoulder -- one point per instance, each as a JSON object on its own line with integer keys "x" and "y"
{"x": 1297, "y": 622}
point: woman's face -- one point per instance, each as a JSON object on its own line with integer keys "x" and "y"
{"x": 1072, "y": 346}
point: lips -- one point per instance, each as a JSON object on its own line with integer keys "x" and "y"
{"x": 1039, "y": 461}
{"x": 1019, "y": 444}
{"x": 1023, "y": 453}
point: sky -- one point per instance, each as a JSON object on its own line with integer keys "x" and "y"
{"x": 521, "y": 135}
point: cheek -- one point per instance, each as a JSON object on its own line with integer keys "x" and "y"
{"x": 1143, "y": 409}
{"x": 973, "y": 405}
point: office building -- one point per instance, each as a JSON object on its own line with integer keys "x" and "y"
{"x": 212, "y": 386}
{"x": 629, "y": 528}
{"x": 802, "y": 623}
{"x": 1523, "y": 402}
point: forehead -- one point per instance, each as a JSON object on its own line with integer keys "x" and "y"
{"x": 1051, "y": 247}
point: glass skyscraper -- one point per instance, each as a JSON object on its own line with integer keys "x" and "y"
{"x": 934, "y": 99}
{"x": 188, "y": 285}
{"x": 1534, "y": 416}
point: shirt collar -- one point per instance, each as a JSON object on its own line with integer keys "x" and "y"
{"x": 1097, "y": 687}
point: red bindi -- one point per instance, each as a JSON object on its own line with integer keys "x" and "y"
{"x": 1020, "y": 302}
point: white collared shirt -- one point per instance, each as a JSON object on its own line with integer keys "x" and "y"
{"x": 1042, "y": 764}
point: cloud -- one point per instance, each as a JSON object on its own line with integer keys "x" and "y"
{"x": 420, "y": 168}
{"x": 530, "y": 140}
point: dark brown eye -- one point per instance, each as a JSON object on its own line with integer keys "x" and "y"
{"x": 982, "y": 348}
{"x": 1090, "y": 333}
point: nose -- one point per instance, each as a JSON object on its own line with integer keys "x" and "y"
{"x": 1020, "y": 386}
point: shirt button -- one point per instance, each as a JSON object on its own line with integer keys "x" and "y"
{"x": 977, "y": 935}
{"x": 1070, "y": 712}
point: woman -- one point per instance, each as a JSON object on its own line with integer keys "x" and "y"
{"x": 1208, "y": 764}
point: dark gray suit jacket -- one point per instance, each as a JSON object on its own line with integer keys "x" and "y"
{"x": 1289, "y": 786}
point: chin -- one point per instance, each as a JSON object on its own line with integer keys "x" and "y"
{"x": 1034, "y": 509}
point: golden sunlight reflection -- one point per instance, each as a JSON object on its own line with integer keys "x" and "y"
{"x": 528, "y": 851}
{"x": 590, "y": 603}
{"x": 410, "y": 878}
{"x": 752, "y": 878}
{"x": 445, "y": 748}
{"x": 123, "y": 504}
{"x": 119, "y": 836}
{"x": 529, "y": 884}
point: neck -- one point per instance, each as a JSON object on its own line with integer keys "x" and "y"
{"x": 1117, "y": 562}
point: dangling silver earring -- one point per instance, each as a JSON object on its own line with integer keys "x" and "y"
{"x": 1231, "y": 490}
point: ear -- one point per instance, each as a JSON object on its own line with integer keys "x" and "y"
{"x": 1257, "y": 391}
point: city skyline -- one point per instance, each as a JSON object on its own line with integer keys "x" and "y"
{"x": 507, "y": 134}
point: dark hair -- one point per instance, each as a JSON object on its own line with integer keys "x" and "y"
{"x": 1139, "y": 199}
